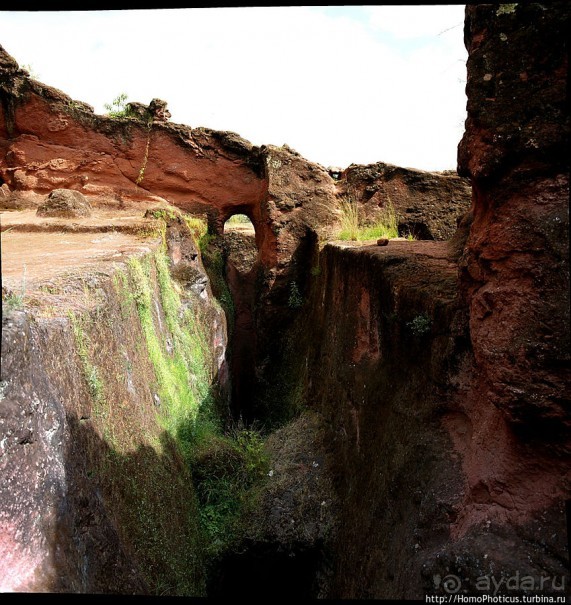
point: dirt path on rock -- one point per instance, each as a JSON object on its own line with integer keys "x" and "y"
{"x": 34, "y": 249}
{"x": 433, "y": 249}
{"x": 29, "y": 258}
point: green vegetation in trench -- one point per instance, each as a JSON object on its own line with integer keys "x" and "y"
{"x": 295, "y": 299}
{"x": 176, "y": 479}
{"x": 227, "y": 465}
{"x": 420, "y": 325}
{"x": 228, "y": 471}
{"x": 385, "y": 226}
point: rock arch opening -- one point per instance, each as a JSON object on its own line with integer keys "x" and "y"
{"x": 240, "y": 239}
{"x": 239, "y": 222}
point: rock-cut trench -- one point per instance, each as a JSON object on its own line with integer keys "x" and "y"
{"x": 241, "y": 268}
{"x": 260, "y": 568}
{"x": 336, "y": 420}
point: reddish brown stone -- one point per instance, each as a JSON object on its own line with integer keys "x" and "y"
{"x": 50, "y": 141}
{"x": 427, "y": 204}
{"x": 447, "y": 417}
{"x": 515, "y": 274}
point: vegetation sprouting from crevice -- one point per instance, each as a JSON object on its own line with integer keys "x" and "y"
{"x": 228, "y": 470}
{"x": 177, "y": 474}
{"x": 132, "y": 460}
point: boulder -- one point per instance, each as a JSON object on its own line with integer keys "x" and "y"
{"x": 65, "y": 203}
{"x": 158, "y": 109}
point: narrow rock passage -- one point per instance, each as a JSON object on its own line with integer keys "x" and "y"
{"x": 241, "y": 269}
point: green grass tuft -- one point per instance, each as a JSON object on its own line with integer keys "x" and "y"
{"x": 238, "y": 219}
{"x": 420, "y": 325}
{"x": 349, "y": 219}
{"x": 386, "y": 225}
{"x": 226, "y": 470}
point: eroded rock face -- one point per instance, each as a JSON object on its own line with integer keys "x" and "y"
{"x": 195, "y": 169}
{"x": 512, "y": 427}
{"x": 49, "y": 141}
{"x": 242, "y": 251}
{"x": 379, "y": 348}
{"x": 428, "y": 204}
{"x": 56, "y": 534}
{"x": 158, "y": 109}
{"x": 516, "y": 272}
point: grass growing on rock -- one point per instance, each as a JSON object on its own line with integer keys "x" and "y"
{"x": 12, "y": 301}
{"x": 227, "y": 470}
{"x": 90, "y": 371}
{"x": 177, "y": 478}
{"x": 178, "y": 352}
{"x": 385, "y": 226}
{"x": 198, "y": 226}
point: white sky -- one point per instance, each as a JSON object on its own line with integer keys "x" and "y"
{"x": 339, "y": 84}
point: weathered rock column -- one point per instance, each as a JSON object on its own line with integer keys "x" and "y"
{"x": 515, "y": 150}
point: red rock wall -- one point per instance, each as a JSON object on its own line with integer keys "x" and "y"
{"x": 48, "y": 140}
{"x": 515, "y": 273}
{"x": 433, "y": 481}
{"x": 451, "y": 451}
{"x": 428, "y": 205}
{"x": 512, "y": 427}
{"x": 381, "y": 388}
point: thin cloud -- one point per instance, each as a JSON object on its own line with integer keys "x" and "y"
{"x": 410, "y": 22}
